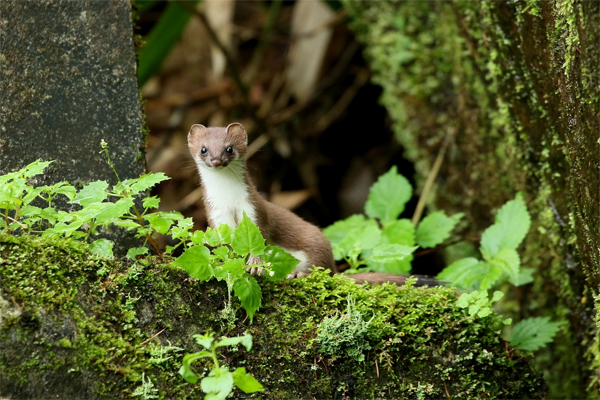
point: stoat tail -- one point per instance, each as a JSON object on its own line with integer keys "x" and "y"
{"x": 377, "y": 278}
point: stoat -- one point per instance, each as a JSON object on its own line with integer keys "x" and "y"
{"x": 219, "y": 154}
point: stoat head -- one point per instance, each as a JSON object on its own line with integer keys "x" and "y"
{"x": 217, "y": 147}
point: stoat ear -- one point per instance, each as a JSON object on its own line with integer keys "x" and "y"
{"x": 196, "y": 131}
{"x": 237, "y": 130}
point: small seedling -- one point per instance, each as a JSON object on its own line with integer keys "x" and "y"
{"x": 220, "y": 380}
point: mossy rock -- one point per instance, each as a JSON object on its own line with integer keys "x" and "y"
{"x": 77, "y": 327}
{"x": 512, "y": 88}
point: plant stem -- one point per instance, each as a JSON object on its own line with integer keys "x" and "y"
{"x": 104, "y": 146}
{"x": 431, "y": 177}
{"x": 148, "y": 237}
{"x": 90, "y": 230}
{"x": 213, "y": 349}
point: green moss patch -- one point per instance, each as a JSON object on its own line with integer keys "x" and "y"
{"x": 68, "y": 331}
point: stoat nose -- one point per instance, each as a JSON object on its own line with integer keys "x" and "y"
{"x": 216, "y": 162}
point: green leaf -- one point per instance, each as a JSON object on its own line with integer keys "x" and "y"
{"x": 282, "y": 262}
{"x": 205, "y": 340}
{"x": 29, "y": 211}
{"x": 220, "y": 273}
{"x": 491, "y": 277}
{"x": 435, "y": 228}
{"x": 514, "y": 214}
{"x": 465, "y": 273}
{"x": 235, "y": 267}
{"x": 353, "y": 235}
{"x": 186, "y": 370}
{"x": 50, "y": 214}
{"x": 248, "y": 291}
{"x": 67, "y": 229}
{"x": 151, "y": 202}
{"x": 89, "y": 212}
{"x": 67, "y": 190}
{"x": 211, "y": 237}
{"x": 95, "y": 192}
{"x": 225, "y": 234}
{"x": 509, "y": 230}
{"x": 61, "y": 188}
{"x": 114, "y": 211}
{"x": 385, "y": 253}
{"x": 195, "y": 261}
{"x": 398, "y": 267}
{"x": 532, "y": 334}
{"x": 245, "y": 340}
{"x": 9, "y": 196}
{"x": 103, "y": 248}
{"x": 159, "y": 222}
{"x": 525, "y": 276}
{"x": 508, "y": 260}
{"x": 185, "y": 223}
{"x": 478, "y": 302}
{"x": 497, "y": 296}
{"x": 64, "y": 216}
{"x": 161, "y": 39}
{"x": 247, "y": 238}
{"x": 33, "y": 193}
{"x": 145, "y": 182}
{"x": 182, "y": 230}
{"x": 221, "y": 252}
{"x": 339, "y": 230}
{"x": 198, "y": 237}
{"x": 136, "y": 251}
{"x": 127, "y": 224}
{"x": 246, "y": 382}
{"x": 35, "y": 168}
{"x": 401, "y": 231}
{"x": 388, "y": 196}
{"x": 219, "y": 383}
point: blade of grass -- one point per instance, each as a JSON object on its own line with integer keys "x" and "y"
{"x": 161, "y": 39}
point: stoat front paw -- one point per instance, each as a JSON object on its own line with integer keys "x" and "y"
{"x": 298, "y": 274}
{"x": 252, "y": 260}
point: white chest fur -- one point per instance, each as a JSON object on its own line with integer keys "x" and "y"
{"x": 226, "y": 194}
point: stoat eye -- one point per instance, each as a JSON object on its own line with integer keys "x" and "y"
{"x": 229, "y": 150}
{"x": 203, "y": 150}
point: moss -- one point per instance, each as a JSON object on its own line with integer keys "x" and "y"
{"x": 516, "y": 86}
{"x": 79, "y": 335}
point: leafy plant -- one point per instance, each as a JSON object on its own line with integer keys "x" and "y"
{"x": 382, "y": 242}
{"x": 229, "y": 257}
{"x": 479, "y": 304}
{"x": 91, "y": 208}
{"x": 220, "y": 380}
{"x": 221, "y": 253}
{"x": 534, "y": 333}
{"x": 501, "y": 262}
